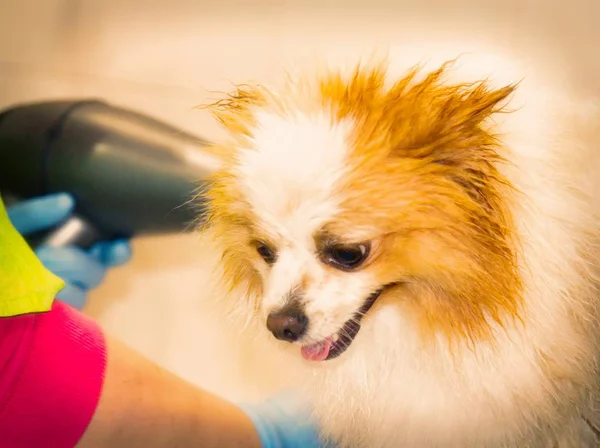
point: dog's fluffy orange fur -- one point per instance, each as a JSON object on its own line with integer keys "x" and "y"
{"x": 476, "y": 195}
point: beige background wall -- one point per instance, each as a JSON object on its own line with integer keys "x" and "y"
{"x": 166, "y": 56}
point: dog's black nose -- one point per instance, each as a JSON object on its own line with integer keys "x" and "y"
{"x": 287, "y": 324}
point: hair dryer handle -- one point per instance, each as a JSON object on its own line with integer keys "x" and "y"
{"x": 75, "y": 231}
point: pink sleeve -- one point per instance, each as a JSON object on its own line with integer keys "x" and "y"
{"x": 52, "y": 369}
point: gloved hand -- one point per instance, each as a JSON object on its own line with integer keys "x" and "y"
{"x": 284, "y": 421}
{"x": 81, "y": 270}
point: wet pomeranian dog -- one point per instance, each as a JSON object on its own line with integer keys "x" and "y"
{"x": 419, "y": 243}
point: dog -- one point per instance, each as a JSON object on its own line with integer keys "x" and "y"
{"x": 416, "y": 242}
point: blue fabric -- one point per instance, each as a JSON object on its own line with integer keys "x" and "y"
{"x": 284, "y": 421}
{"x": 81, "y": 270}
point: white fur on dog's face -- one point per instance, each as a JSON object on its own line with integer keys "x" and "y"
{"x": 289, "y": 177}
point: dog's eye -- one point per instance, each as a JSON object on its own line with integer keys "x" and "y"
{"x": 266, "y": 252}
{"x": 346, "y": 257}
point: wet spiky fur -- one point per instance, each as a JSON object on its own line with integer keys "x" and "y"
{"x": 478, "y": 195}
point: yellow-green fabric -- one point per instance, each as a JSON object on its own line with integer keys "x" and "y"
{"x": 26, "y": 286}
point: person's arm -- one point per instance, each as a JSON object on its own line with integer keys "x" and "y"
{"x": 65, "y": 384}
{"x": 142, "y": 405}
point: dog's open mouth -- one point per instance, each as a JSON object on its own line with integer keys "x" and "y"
{"x": 333, "y": 346}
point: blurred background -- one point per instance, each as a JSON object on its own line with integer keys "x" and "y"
{"x": 164, "y": 57}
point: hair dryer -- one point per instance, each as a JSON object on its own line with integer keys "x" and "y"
{"x": 130, "y": 174}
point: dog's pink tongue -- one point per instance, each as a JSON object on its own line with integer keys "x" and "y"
{"x": 318, "y": 351}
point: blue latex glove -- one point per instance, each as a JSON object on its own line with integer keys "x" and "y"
{"x": 81, "y": 270}
{"x": 284, "y": 422}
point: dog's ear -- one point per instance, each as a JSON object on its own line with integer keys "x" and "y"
{"x": 361, "y": 94}
{"x": 448, "y": 128}
{"x": 236, "y": 111}
{"x": 444, "y": 123}
{"x": 426, "y": 118}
